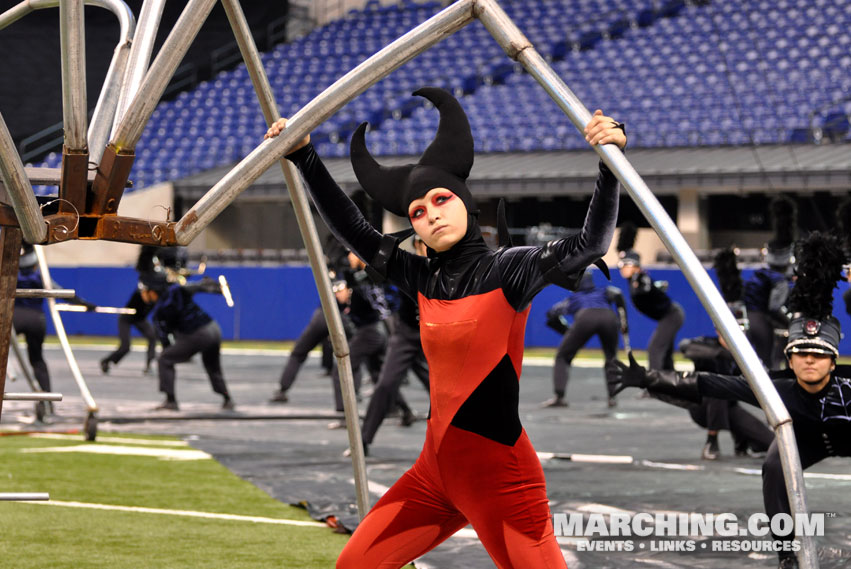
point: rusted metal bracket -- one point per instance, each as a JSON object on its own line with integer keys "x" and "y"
{"x": 134, "y": 230}
{"x": 64, "y": 227}
{"x": 110, "y": 181}
{"x": 73, "y": 180}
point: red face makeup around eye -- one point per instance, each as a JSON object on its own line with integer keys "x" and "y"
{"x": 416, "y": 213}
{"x": 441, "y": 199}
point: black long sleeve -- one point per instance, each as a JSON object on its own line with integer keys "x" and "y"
{"x": 729, "y": 387}
{"x": 522, "y": 277}
{"x": 339, "y": 212}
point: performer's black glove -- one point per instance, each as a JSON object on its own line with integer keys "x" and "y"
{"x": 659, "y": 382}
{"x": 620, "y": 376}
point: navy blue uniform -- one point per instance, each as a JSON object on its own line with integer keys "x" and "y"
{"x": 140, "y": 322}
{"x": 176, "y": 313}
{"x": 649, "y": 298}
{"x": 591, "y": 310}
{"x": 367, "y": 309}
{"x": 765, "y": 295}
{"x": 28, "y": 319}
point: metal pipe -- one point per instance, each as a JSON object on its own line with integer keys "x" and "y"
{"x": 15, "y": 13}
{"x": 40, "y": 396}
{"x": 73, "y": 42}
{"x": 140, "y": 54}
{"x": 310, "y": 237}
{"x": 24, "y": 496}
{"x": 517, "y": 46}
{"x": 107, "y": 104}
{"x": 33, "y": 226}
{"x": 439, "y": 26}
{"x": 104, "y": 112}
{"x": 91, "y": 406}
{"x": 44, "y": 293}
{"x": 133, "y": 121}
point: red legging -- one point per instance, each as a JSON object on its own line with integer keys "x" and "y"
{"x": 498, "y": 489}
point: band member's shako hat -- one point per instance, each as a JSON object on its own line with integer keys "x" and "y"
{"x": 813, "y": 328}
{"x": 446, "y": 163}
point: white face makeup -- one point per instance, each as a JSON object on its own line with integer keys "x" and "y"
{"x": 439, "y": 218}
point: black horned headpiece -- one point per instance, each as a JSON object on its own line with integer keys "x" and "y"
{"x": 626, "y": 241}
{"x": 813, "y": 327}
{"x": 730, "y": 282}
{"x": 784, "y": 221}
{"x": 446, "y": 163}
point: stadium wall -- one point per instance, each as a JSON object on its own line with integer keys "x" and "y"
{"x": 275, "y": 303}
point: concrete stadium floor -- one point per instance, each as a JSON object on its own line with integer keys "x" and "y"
{"x": 288, "y": 451}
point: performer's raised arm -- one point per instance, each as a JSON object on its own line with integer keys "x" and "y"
{"x": 336, "y": 208}
{"x": 562, "y": 261}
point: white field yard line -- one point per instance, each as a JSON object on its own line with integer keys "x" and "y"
{"x": 164, "y": 453}
{"x": 115, "y": 440}
{"x": 183, "y": 513}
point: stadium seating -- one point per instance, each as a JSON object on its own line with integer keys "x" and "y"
{"x": 678, "y": 73}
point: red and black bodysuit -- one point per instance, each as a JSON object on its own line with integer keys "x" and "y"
{"x": 477, "y": 465}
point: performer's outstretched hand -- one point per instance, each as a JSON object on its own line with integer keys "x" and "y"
{"x": 278, "y": 127}
{"x": 621, "y": 376}
{"x": 605, "y": 130}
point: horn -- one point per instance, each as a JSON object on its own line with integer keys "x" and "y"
{"x": 452, "y": 147}
{"x": 626, "y": 238}
{"x": 383, "y": 183}
{"x": 503, "y": 236}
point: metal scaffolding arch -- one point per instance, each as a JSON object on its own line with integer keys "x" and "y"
{"x": 140, "y": 88}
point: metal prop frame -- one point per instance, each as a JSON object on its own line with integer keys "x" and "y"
{"x": 114, "y": 167}
{"x": 90, "y": 426}
{"x": 520, "y": 49}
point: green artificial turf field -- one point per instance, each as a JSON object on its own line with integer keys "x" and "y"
{"x": 175, "y": 478}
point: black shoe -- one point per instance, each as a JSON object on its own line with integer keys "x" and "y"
{"x": 348, "y": 452}
{"x": 788, "y": 562}
{"x": 279, "y": 397}
{"x": 710, "y": 451}
{"x": 104, "y": 366}
{"x": 408, "y": 418}
{"x": 148, "y": 369}
{"x": 228, "y": 405}
{"x": 167, "y": 406}
{"x": 555, "y": 402}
